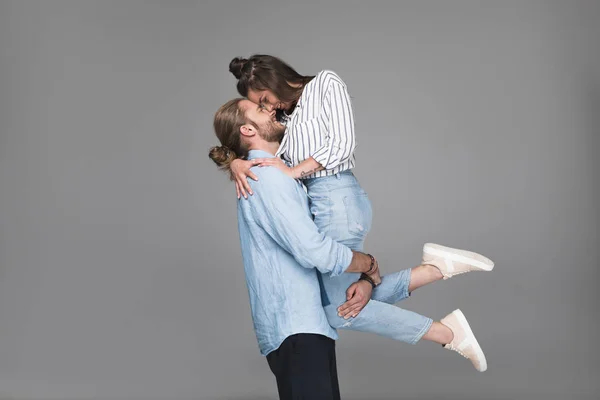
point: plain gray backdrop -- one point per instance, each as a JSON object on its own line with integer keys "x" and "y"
{"x": 120, "y": 265}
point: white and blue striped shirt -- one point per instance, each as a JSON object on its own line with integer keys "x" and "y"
{"x": 321, "y": 126}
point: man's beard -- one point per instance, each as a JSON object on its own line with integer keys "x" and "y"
{"x": 271, "y": 131}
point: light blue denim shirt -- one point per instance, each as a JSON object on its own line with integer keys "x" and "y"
{"x": 282, "y": 250}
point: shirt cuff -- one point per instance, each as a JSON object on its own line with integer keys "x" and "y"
{"x": 344, "y": 259}
{"x": 320, "y": 156}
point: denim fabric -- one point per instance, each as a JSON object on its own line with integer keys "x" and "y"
{"x": 282, "y": 250}
{"x": 342, "y": 210}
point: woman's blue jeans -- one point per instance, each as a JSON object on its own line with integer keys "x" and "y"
{"x": 342, "y": 210}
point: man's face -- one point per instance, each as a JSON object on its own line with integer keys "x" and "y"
{"x": 268, "y": 126}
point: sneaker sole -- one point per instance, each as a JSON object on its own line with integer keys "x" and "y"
{"x": 478, "y": 351}
{"x": 462, "y": 256}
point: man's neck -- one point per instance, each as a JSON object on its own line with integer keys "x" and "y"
{"x": 269, "y": 147}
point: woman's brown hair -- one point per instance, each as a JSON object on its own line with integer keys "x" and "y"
{"x": 264, "y": 72}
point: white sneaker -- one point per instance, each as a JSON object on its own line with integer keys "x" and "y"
{"x": 464, "y": 342}
{"x": 454, "y": 261}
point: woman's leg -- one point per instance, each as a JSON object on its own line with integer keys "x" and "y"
{"x": 397, "y": 286}
{"x": 394, "y": 287}
{"x": 345, "y": 215}
{"x": 381, "y": 317}
{"x": 392, "y": 322}
{"x": 343, "y": 212}
{"x": 385, "y": 320}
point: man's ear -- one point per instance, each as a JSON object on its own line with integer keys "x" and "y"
{"x": 247, "y": 130}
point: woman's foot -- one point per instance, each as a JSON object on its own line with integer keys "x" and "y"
{"x": 452, "y": 262}
{"x": 464, "y": 342}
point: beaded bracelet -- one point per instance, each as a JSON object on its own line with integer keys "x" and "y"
{"x": 372, "y": 264}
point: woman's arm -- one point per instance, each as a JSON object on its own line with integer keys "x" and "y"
{"x": 306, "y": 167}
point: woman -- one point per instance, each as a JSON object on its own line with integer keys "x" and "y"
{"x": 319, "y": 144}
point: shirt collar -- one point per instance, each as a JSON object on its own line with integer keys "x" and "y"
{"x": 252, "y": 154}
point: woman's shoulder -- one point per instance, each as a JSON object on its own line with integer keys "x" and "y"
{"x": 327, "y": 77}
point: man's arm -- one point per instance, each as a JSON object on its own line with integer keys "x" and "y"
{"x": 362, "y": 262}
{"x": 279, "y": 210}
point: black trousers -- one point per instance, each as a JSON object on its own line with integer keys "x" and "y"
{"x": 305, "y": 368}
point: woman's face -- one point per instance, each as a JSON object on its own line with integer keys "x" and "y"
{"x": 267, "y": 99}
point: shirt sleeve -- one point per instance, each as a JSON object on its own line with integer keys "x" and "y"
{"x": 340, "y": 140}
{"x": 277, "y": 207}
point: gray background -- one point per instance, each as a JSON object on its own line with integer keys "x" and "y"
{"x": 120, "y": 268}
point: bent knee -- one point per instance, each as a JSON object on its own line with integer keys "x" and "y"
{"x": 335, "y": 320}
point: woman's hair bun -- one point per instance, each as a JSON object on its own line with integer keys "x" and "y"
{"x": 236, "y": 66}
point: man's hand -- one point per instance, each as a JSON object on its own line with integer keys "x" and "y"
{"x": 357, "y": 296}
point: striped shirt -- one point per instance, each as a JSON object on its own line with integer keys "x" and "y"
{"x": 321, "y": 126}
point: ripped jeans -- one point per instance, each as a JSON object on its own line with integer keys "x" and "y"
{"x": 342, "y": 210}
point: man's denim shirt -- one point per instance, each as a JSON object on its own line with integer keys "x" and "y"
{"x": 282, "y": 250}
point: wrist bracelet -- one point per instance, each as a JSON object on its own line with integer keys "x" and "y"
{"x": 365, "y": 277}
{"x": 372, "y": 264}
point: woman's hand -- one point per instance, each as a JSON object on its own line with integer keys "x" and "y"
{"x": 240, "y": 170}
{"x": 277, "y": 163}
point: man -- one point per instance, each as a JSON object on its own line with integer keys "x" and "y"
{"x": 282, "y": 250}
